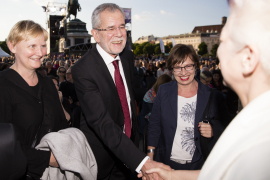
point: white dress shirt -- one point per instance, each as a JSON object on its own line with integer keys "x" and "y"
{"x": 108, "y": 59}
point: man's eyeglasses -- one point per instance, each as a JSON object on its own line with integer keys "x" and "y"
{"x": 68, "y": 73}
{"x": 112, "y": 30}
{"x": 187, "y": 68}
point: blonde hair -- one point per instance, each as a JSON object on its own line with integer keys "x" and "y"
{"x": 25, "y": 30}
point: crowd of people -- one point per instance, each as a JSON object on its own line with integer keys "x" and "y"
{"x": 85, "y": 117}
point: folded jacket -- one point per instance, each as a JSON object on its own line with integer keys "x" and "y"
{"x": 73, "y": 154}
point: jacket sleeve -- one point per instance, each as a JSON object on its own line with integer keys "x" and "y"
{"x": 154, "y": 126}
{"x": 99, "y": 119}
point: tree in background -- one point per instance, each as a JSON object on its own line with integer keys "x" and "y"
{"x": 167, "y": 49}
{"x": 202, "y": 49}
{"x": 133, "y": 46}
{"x": 157, "y": 49}
{"x": 138, "y": 50}
{"x": 170, "y": 46}
{"x": 4, "y": 47}
{"x": 149, "y": 49}
{"x": 214, "y": 50}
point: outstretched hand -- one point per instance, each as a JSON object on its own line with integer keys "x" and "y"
{"x": 152, "y": 165}
{"x": 163, "y": 173}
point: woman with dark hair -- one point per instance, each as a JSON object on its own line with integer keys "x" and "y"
{"x": 151, "y": 70}
{"x": 148, "y": 101}
{"x": 185, "y": 121}
{"x": 217, "y": 81}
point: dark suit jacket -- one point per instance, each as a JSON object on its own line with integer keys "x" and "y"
{"x": 103, "y": 118}
{"x": 163, "y": 121}
{"x": 22, "y": 107}
{"x": 68, "y": 91}
{"x": 141, "y": 73}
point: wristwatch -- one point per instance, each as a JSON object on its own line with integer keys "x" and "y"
{"x": 150, "y": 150}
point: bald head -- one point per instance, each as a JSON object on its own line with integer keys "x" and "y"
{"x": 248, "y": 25}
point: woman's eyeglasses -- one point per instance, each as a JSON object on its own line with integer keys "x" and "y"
{"x": 187, "y": 68}
{"x": 62, "y": 71}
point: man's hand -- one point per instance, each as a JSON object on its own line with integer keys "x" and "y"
{"x": 205, "y": 130}
{"x": 152, "y": 164}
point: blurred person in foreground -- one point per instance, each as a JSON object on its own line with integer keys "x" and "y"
{"x": 179, "y": 134}
{"x": 242, "y": 152}
{"x": 103, "y": 79}
{"x": 28, "y": 100}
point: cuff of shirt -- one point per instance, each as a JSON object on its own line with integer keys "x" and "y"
{"x": 138, "y": 170}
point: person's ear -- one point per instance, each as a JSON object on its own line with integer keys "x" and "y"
{"x": 95, "y": 34}
{"x": 11, "y": 47}
{"x": 249, "y": 60}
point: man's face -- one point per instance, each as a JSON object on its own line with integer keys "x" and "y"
{"x": 112, "y": 42}
{"x": 49, "y": 65}
{"x": 69, "y": 75}
{"x": 228, "y": 53}
{"x": 137, "y": 63}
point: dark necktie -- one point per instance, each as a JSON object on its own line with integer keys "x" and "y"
{"x": 123, "y": 97}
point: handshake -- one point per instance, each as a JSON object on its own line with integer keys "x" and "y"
{"x": 153, "y": 170}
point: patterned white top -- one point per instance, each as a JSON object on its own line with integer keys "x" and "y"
{"x": 183, "y": 144}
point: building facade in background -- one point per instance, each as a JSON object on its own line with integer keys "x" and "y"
{"x": 150, "y": 39}
{"x": 209, "y": 34}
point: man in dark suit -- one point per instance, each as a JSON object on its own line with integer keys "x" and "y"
{"x": 103, "y": 81}
{"x": 138, "y": 72}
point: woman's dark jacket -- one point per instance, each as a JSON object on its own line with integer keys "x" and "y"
{"x": 22, "y": 107}
{"x": 163, "y": 121}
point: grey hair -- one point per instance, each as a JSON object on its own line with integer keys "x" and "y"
{"x": 111, "y": 7}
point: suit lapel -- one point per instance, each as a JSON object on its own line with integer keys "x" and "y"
{"x": 105, "y": 74}
{"x": 16, "y": 79}
{"x": 203, "y": 95}
{"x": 173, "y": 95}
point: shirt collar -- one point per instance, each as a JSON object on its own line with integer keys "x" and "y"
{"x": 105, "y": 56}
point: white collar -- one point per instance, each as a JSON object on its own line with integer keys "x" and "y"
{"x": 106, "y": 57}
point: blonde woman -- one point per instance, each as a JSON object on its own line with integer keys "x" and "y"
{"x": 28, "y": 100}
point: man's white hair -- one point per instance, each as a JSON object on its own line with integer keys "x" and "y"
{"x": 251, "y": 26}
